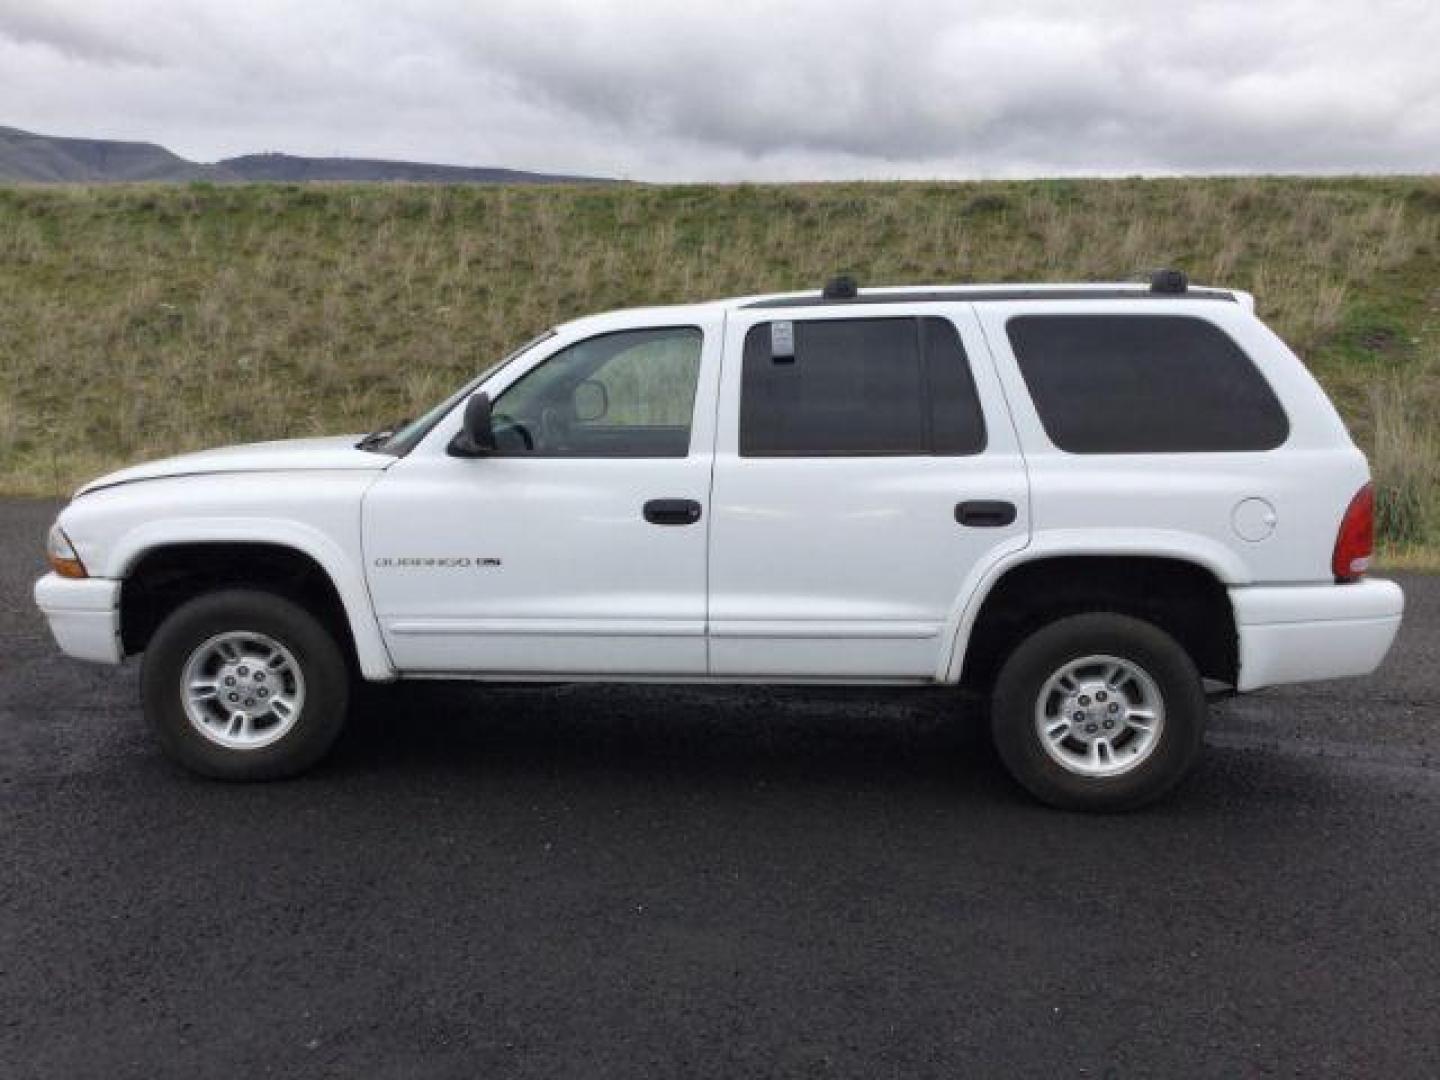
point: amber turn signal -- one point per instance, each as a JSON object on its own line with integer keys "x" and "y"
{"x": 61, "y": 555}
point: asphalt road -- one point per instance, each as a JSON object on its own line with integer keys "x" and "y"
{"x": 623, "y": 882}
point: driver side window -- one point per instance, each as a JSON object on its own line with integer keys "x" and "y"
{"x": 622, "y": 395}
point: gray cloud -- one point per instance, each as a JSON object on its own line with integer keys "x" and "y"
{"x": 84, "y": 40}
{"x": 747, "y": 89}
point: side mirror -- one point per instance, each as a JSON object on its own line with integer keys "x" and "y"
{"x": 476, "y": 436}
{"x": 590, "y": 401}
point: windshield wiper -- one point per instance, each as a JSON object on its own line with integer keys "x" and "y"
{"x": 379, "y": 436}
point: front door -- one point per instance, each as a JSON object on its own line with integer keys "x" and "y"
{"x": 866, "y": 471}
{"x": 578, "y": 547}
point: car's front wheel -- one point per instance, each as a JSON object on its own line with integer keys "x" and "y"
{"x": 244, "y": 685}
{"x": 1099, "y": 711}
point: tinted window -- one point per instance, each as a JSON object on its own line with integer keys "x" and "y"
{"x": 1132, "y": 384}
{"x": 857, "y": 387}
{"x": 957, "y": 425}
{"x": 628, "y": 394}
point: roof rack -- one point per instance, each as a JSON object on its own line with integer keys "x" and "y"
{"x": 1169, "y": 287}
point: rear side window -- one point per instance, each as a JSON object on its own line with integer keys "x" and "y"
{"x": 1138, "y": 384}
{"x": 856, "y": 388}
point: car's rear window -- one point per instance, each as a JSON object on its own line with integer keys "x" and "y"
{"x": 1138, "y": 384}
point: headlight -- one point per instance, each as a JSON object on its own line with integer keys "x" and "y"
{"x": 61, "y": 554}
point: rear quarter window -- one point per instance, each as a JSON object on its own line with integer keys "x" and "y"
{"x": 1144, "y": 384}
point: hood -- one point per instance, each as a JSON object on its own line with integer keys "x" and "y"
{"x": 289, "y": 455}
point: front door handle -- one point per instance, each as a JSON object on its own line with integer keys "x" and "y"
{"x": 672, "y": 511}
{"x": 985, "y": 513}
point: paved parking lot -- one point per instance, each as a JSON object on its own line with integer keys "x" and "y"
{"x": 602, "y": 881}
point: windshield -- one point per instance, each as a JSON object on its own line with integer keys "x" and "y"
{"x": 408, "y": 437}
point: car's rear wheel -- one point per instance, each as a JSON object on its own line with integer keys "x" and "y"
{"x": 1099, "y": 711}
{"x": 244, "y": 685}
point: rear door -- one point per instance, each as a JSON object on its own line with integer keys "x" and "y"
{"x": 866, "y": 471}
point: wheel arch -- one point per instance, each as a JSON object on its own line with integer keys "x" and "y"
{"x": 183, "y": 562}
{"x": 1184, "y": 593}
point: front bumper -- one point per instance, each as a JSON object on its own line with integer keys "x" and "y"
{"x": 1304, "y": 633}
{"x": 84, "y": 616}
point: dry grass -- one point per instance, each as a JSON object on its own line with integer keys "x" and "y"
{"x": 1405, "y": 458}
{"x": 143, "y": 320}
{"x": 1424, "y": 559}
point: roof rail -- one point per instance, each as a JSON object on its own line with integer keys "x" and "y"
{"x": 980, "y": 293}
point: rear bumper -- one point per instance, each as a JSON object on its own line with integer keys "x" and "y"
{"x": 84, "y": 616}
{"x": 1304, "y": 633}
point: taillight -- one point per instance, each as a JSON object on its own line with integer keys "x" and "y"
{"x": 1356, "y": 541}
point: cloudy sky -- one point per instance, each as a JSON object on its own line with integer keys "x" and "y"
{"x": 746, "y": 89}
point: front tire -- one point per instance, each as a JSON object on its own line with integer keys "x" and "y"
{"x": 1099, "y": 711}
{"x": 244, "y": 685}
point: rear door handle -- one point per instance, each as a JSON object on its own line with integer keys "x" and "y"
{"x": 985, "y": 513}
{"x": 672, "y": 511}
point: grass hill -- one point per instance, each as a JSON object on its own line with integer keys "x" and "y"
{"x": 42, "y": 159}
{"x": 137, "y": 321}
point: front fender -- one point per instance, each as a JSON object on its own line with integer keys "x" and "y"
{"x": 316, "y": 514}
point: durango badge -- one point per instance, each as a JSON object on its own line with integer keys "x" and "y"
{"x": 435, "y": 562}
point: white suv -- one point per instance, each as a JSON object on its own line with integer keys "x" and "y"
{"x": 1095, "y": 504}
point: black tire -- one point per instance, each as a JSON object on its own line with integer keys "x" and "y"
{"x": 1029, "y": 668}
{"x": 314, "y": 649}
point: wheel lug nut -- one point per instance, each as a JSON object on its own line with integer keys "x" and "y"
{"x": 229, "y": 680}
{"x": 1114, "y": 708}
{"x": 244, "y": 671}
{"x": 259, "y": 676}
{"x": 1084, "y": 700}
{"x": 234, "y": 697}
{"x": 1109, "y": 724}
{"x": 1100, "y": 696}
{"x": 1079, "y": 717}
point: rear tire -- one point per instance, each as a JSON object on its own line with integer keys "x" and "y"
{"x": 244, "y": 685}
{"x": 1099, "y": 711}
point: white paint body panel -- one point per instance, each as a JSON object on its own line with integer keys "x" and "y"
{"x": 848, "y": 567}
{"x": 1301, "y": 633}
{"x": 1192, "y": 498}
{"x": 327, "y": 454}
{"x": 824, "y": 569}
{"x": 567, "y": 576}
{"x": 315, "y": 512}
{"x": 84, "y": 616}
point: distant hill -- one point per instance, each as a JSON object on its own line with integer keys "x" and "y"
{"x": 41, "y": 159}
{"x": 286, "y": 167}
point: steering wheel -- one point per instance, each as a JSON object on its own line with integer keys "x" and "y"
{"x": 518, "y": 428}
